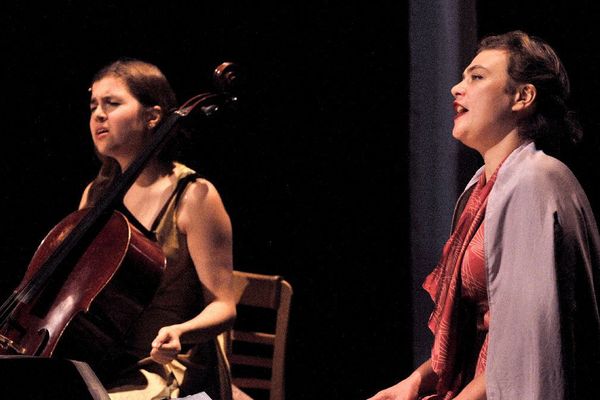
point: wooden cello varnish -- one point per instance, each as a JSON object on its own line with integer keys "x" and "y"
{"x": 90, "y": 304}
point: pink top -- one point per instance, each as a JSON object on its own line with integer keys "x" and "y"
{"x": 474, "y": 291}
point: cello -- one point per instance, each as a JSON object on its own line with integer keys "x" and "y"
{"x": 94, "y": 259}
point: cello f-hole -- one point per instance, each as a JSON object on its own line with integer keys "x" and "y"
{"x": 43, "y": 343}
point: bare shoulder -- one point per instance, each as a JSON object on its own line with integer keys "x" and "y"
{"x": 200, "y": 193}
{"x": 201, "y": 202}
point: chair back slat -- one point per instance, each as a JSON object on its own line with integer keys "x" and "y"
{"x": 265, "y": 292}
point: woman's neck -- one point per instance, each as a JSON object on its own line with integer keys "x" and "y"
{"x": 152, "y": 171}
{"x": 493, "y": 156}
{"x": 148, "y": 194}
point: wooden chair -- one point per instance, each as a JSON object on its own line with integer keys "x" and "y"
{"x": 256, "y": 344}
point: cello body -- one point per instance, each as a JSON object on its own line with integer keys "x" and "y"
{"x": 91, "y": 301}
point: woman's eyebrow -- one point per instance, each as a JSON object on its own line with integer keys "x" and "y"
{"x": 473, "y": 67}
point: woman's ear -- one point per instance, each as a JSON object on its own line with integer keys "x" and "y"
{"x": 153, "y": 115}
{"x": 524, "y": 97}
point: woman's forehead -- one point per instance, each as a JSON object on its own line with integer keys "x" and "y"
{"x": 490, "y": 59}
{"x": 109, "y": 84}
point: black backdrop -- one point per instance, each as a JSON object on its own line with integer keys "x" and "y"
{"x": 313, "y": 169}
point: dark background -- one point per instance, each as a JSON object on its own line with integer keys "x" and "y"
{"x": 313, "y": 169}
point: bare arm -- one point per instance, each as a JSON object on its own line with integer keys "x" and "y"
{"x": 422, "y": 380}
{"x": 206, "y": 225}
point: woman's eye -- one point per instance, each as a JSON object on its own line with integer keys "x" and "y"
{"x": 476, "y": 77}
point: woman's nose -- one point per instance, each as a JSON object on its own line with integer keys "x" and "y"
{"x": 99, "y": 114}
{"x": 457, "y": 89}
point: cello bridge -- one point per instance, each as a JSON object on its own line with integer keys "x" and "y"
{"x": 6, "y": 343}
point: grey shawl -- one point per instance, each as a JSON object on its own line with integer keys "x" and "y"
{"x": 543, "y": 264}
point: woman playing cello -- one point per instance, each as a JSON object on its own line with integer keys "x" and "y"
{"x": 172, "y": 347}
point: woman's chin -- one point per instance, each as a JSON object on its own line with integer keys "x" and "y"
{"x": 458, "y": 135}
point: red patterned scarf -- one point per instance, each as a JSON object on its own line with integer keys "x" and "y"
{"x": 443, "y": 284}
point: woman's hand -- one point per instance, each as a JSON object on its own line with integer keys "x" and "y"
{"x": 475, "y": 390}
{"x": 166, "y": 345}
{"x": 422, "y": 380}
{"x": 407, "y": 389}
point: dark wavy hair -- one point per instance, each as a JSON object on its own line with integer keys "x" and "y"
{"x": 150, "y": 87}
{"x": 531, "y": 60}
